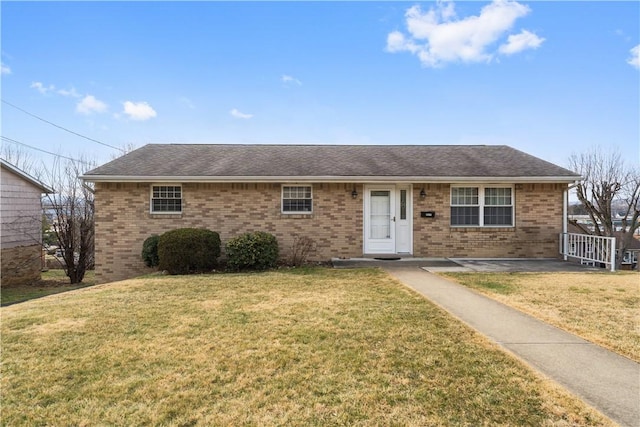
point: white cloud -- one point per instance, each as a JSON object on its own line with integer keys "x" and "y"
{"x": 139, "y": 110}
{"x": 71, "y": 92}
{"x": 634, "y": 59}
{"x": 4, "y": 69}
{"x": 518, "y": 42}
{"x": 239, "y": 115}
{"x": 89, "y": 105}
{"x": 438, "y": 37}
{"x": 286, "y": 79}
{"x": 42, "y": 88}
{"x": 186, "y": 102}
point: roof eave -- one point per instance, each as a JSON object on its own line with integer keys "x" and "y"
{"x": 317, "y": 179}
{"x": 45, "y": 188}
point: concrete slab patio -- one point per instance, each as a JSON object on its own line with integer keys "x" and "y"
{"x": 522, "y": 265}
{"x": 605, "y": 380}
{"x": 467, "y": 264}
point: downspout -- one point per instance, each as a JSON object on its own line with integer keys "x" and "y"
{"x": 565, "y": 214}
{"x": 565, "y": 203}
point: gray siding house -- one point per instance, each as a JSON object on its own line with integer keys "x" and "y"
{"x": 21, "y": 218}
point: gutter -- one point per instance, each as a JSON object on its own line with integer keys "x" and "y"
{"x": 565, "y": 214}
{"x": 333, "y": 178}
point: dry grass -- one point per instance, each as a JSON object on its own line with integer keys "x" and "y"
{"x": 601, "y": 307}
{"x": 302, "y": 347}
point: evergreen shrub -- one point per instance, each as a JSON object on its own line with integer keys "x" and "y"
{"x": 188, "y": 250}
{"x": 150, "y": 251}
{"x": 252, "y": 251}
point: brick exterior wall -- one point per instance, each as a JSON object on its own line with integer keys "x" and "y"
{"x": 538, "y": 221}
{"x": 124, "y": 221}
{"x": 21, "y": 265}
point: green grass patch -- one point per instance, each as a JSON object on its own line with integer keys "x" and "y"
{"x": 299, "y": 347}
{"x": 53, "y": 282}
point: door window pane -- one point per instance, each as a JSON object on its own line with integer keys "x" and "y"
{"x": 403, "y": 204}
{"x": 380, "y": 215}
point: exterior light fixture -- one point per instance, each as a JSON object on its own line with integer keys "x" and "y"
{"x": 423, "y": 194}
{"x": 354, "y": 193}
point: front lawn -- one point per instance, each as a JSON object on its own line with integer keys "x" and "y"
{"x": 298, "y": 347}
{"x": 600, "y": 307}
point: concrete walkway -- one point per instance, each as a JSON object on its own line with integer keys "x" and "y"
{"x": 608, "y": 382}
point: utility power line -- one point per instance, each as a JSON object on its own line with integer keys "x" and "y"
{"x": 61, "y": 127}
{"x": 13, "y": 141}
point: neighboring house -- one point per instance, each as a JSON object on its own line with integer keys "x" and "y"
{"x": 630, "y": 256}
{"x": 354, "y": 201}
{"x": 21, "y": 217}
{"x": 585, "y": 220}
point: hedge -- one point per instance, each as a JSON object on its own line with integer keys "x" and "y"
{"x": 188, "y": 250}
{"x": 253, "y": 251}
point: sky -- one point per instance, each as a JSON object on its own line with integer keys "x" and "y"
{"x": 548, "y": 78}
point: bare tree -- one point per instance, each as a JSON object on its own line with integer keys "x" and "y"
{"x": 125, "y": 149}
{"x": 73, "y": 211}
{"x": 17, "y": 157}
{"x": 609, "y": 187}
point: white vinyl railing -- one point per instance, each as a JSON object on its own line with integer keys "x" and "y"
{"x": 590, "y": 250}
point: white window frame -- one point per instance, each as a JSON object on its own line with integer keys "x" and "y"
{"x": 630, "y": 257}
{"x": 481, "y": 205}
{"x": 151, "y": 199}
{"x": 283, "y": 211}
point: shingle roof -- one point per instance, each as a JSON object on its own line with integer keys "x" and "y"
{"x": 261, "y": 162}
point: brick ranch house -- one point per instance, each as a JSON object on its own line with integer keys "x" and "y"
{"x": 21, "y": 214}
{"x": 353, "y": 200}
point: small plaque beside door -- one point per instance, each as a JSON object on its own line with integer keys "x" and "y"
{"x": 427, "y": 214}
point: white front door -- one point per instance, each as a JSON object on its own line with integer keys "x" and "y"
{"x": 387, "y": 219}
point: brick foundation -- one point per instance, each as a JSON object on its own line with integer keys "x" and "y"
{"x": 21, "y": 265}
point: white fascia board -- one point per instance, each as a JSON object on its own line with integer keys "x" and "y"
{"x": 349, "y": 179}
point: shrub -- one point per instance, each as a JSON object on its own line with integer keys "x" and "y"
{"x": 302, "y": 247}
{"x": 254, "y": 251}
{"x": 150, "y": 251}
{"x": 188, "y": 250}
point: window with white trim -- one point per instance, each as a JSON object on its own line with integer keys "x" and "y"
{"x": 465, "y": 206}
{"x": 166, "y": 199}
{"x": 482, "y": 206}
{"x": 297, "y": 199}
{"x": 498, "y": 207}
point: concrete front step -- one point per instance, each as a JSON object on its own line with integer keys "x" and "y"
{"x": 391, "y": 261}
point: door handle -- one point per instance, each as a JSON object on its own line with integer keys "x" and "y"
{"x": 394, "y": 219}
